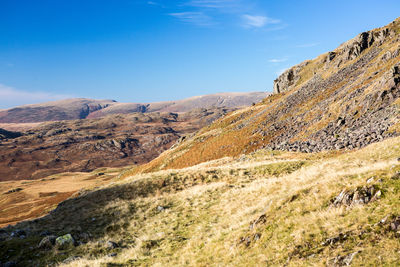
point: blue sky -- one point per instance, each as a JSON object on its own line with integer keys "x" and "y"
{"x": 144, "y": 51}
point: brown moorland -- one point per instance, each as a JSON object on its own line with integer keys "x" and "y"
{"x": 84, "y": 145}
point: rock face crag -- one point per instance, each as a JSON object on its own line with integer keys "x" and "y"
{"x": 351, "y": 95}
{"x": 288, "y": 78}
{"x": 346, "y": 52}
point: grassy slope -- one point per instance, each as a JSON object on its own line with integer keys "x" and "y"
{"x": 37, "y": 197}
{"x": 204, "y": 224}
{"x": 209, "y": 209}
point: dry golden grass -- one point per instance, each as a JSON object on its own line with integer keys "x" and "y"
{"x": 209, "y": 213}
{"x": 36, "y": 198}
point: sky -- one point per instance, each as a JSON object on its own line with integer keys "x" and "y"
{"x": 146, "y": 51}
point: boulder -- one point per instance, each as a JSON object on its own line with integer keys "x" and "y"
{"x": 64, "y": 242}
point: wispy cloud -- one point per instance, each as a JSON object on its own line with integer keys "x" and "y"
{"x": 209, "y": 12}
{"x": 252, "y": 21}
{"x": 278, "y": 60}
{"x": 307, "y": 45}
{"x": 12, "y": 97}
{"x": 217, "y": 4}
{"x": 197, "y": 18}
{"x": 155, "y": 4}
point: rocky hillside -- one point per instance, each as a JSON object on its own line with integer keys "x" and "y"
{"x": 84, "y": 145}
{"x": 80, "y": 108}
{"x": 343, "y": 99}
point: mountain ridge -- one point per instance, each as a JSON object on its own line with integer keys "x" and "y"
{"x": 81, "y": 108}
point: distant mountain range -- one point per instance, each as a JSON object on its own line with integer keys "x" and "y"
{"x": 81, "y": 108}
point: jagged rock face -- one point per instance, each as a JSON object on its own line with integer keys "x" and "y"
{"x": 348, "y": 51}
{"x": 353, "y": 91}
{"x": 288, "y": 79}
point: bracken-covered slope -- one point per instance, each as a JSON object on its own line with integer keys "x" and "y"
{"x": 344, "y": 99}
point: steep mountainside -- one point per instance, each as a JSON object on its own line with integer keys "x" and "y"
{"x": 344, "y": 99}
{"x": 80, "y": 108}
{"x": 84, "y": 145}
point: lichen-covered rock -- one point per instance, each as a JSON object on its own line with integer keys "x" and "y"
{"x": 64, "y": 242}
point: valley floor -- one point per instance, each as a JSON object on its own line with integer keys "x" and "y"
{"x": 268, "y": 208}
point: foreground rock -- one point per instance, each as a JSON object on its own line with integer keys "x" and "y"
{"x": 64, "y": 242}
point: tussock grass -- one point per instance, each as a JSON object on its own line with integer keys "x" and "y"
{"x": 260, "y": 209}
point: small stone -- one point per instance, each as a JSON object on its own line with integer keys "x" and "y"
{"x": 112, "y": 255}
{"x": 396, "y": 176}
{"x": 111, "y": 245}
{"x": 18, "y": 233}
{"x": 160, "y": 208}
{"x": 65, "y": 241}
{"x": 370, "y": 180}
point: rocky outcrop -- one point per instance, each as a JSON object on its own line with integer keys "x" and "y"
{"x": 348, "y": 51}
{"x": 288, "y": 79}
{"x": 359, "y": 196}
{"x": 354, "y": 47}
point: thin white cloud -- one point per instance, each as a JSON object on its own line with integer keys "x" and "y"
{"x": 10, "y": 96}
{"x": 252, "y": 21}
{"x": 196, "y": 18}
{"x": 307, "y": 45}
{"x": 155, "y": 4}
{"x": 278, "y": 60}
{"x": 217, "y": 4}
